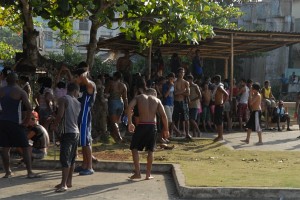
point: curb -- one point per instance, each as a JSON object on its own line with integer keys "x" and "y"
{"x": 187, "y": 192}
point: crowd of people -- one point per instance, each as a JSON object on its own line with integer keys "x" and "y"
{"x": 184, "y": 103}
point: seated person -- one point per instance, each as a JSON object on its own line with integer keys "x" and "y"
{"x": 268, "y": 101}
{"x": 281, "y": 115}
{"x": 39, "y": 137}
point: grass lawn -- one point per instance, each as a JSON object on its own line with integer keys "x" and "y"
{"x": 207, "y": 164}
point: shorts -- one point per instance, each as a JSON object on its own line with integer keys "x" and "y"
{"x": 242, "y": 110}
{"x": 85, "y": 136}
{"x": 254, "y": 121}
{"x": 38, "y": 154}
{"x": 144, "y": 137}
{"x": 227, "y": 106}
{"x": 68, "y": 148}
{"x": 181, "y": 111}
{"x": 193, "y": 113}
{"x": 44, "y": 114}
{"x": 218, "y": 116}
{"x": 169, "y": 112}
{"x": 12, "y": 135}
{"x": 283, "y": 118}
{"x": 205, "y": 113}
{"x": 115, "y": 107}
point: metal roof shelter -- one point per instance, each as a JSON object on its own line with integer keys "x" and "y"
{"x": 224, "y": 45}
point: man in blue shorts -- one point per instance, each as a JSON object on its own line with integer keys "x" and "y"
{"x": 145, "y": 133}
{"x": 87, "y": 97}
{"x": 12, "y": 132}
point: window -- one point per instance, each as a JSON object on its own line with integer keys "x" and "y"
{"x": 48, "y": 35}
{"x": 84, "y": 24}
{"x": 84, "y": 38}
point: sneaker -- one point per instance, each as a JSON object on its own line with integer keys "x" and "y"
{"x": 289, "y": 129}
{"x": 86, "y": 172}
{"x": 279, "y": 129}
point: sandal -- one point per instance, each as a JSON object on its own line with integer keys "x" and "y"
{"x": 61, "y": 189}
{"x": 32, "y": 176}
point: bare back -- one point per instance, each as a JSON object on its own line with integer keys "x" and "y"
{"x": 147, "y": 106}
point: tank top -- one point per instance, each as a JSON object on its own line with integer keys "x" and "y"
{"x": 267, "y": 92}
{"x": 245, "y": 96}
{"x": 87, "y": 100}
{"x": 11, "y": 108}
{"x": 70, "y": 119}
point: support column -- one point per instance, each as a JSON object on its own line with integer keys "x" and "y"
{"x": 231, "y": 66}
{"x": 226, "y": 69}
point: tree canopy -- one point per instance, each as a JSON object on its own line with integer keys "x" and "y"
{"x": 147, "y": 21}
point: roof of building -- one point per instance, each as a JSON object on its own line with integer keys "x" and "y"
{"x": 218, "y": 46}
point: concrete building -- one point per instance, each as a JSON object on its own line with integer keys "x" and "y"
{"x": 272, "y": 15}
{"x": 49, "y": 42}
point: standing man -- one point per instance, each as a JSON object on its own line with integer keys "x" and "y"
{"x": 68, "y": 112}
{"x": 87, "y": 97}
{"x": 117, "y": 102}
{"x": 194, "y": 105}
{"x": 243, "y": 103}
{"x": 181, "y": 108}
{"x": 254, "y": 122}
{"x": 146, "y": 131}
{"x": 219, "y": 96}
{"x": 12, "y": 133}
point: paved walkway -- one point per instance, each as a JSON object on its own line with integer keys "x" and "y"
{"x": 101, "y": 185}
{"x": 115, "y": 185}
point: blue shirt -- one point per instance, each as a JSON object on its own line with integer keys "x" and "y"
{"x": 169, "y": 100}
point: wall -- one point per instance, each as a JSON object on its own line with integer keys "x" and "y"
{"x": 268, "y": 15}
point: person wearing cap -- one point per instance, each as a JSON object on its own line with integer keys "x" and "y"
{"x": 87, "y": 97}
{"x": 280, "y": 114}
{"x": 12, "y": 132}
{"x": 39, "y": 137}
{"x": 253, "y": 123}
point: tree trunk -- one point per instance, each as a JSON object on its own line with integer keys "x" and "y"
{"x": 30, "y": 49}
{"x": 92, "y": 48}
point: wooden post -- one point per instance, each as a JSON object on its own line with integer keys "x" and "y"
{"x": 226, "y": 69}
{"x": 231, "y": 67}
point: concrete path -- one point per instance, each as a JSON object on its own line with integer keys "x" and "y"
{"x": 115, "y": 184}
{"x": 101, "y": 185}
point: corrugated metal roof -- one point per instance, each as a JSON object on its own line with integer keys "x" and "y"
{"x": 219, "y": 46}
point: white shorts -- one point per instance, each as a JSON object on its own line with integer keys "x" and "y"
{"x": 169, "y": 112}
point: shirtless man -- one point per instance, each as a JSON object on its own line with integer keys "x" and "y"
{"x": 12, "y": 132}
{"x": 254, "y": 121}
{"x": 117, "y": 101}
{"x": 145, "y": 132}
{"x": 181, "y": 108}
{"x": 206, "y": 115}
{"x": 219, "y": 96}
{"x": 124, "y": 66}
